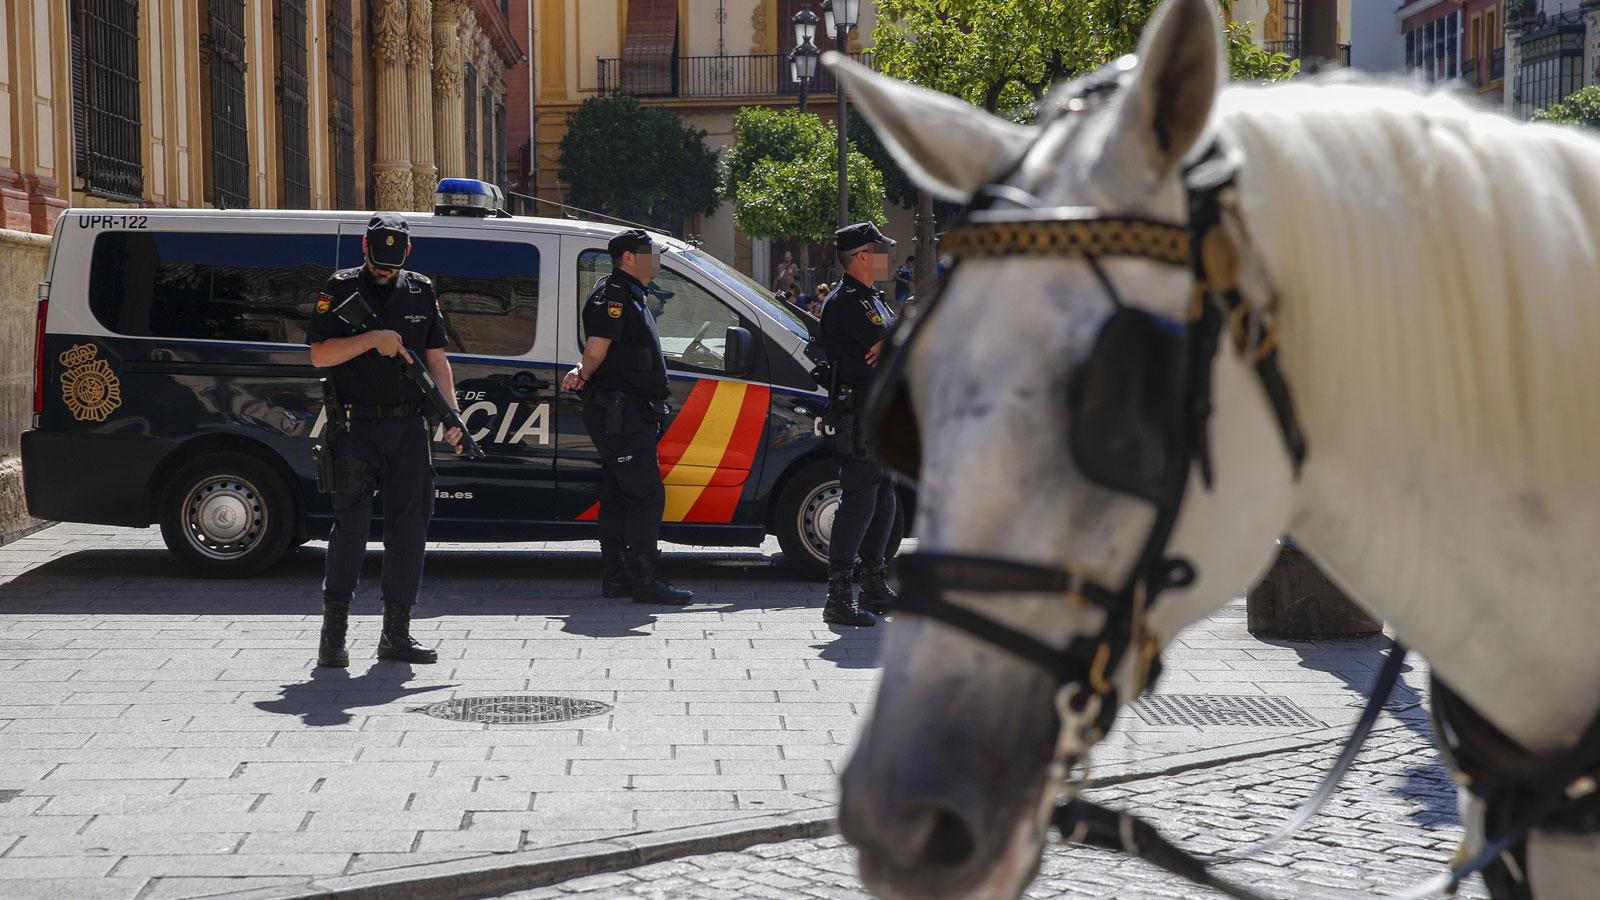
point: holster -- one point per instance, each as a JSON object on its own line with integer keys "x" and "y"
{"x": 614, "y": 403}
{"x": 322, "y": 451}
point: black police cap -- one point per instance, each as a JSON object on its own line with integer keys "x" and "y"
{"x": 854, "y": 237}
{"x": 388, "y": 238}
{"x": 634, "y": 240}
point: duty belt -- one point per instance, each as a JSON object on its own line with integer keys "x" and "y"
{"x": 380, "y": 410}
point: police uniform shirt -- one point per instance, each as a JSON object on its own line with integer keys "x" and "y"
{"x": 615, "y": 310}
{"x": 407, "y": 306}
{"x": 854, "y": 319}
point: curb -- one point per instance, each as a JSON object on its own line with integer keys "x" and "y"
{"x": 489, "y": 876}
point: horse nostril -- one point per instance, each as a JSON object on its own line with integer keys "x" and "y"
{"x": 950, "y": 843}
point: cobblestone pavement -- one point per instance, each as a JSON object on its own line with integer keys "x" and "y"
{"x": 1393, "y": 825}
{"x": 163, "y": 736}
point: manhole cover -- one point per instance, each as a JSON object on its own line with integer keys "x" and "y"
{"x": 513, "y": 709}
{"x": 7, "y": 796}
{"x": 1221, "y": 709}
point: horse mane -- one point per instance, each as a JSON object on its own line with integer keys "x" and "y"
{"x": 1438, "y": 272}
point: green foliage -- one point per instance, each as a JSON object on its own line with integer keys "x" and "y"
{"x": 1002, "y": 55}
{"x": 637, "y": 163}
{"x": 897, "y": 185}
{"x": 782, "y": 176}
{"x": 1581, "y": 107}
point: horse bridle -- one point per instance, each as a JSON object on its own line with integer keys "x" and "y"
{"x": 1202, "y": 245}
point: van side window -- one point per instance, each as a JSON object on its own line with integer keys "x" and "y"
{"x": 488, "y": 290}
{"x": 693, "y": 323}
{"x": 215, "y": 286}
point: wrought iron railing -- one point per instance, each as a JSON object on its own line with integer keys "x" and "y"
{"x": 1344, "y": 55}
{"x": 342, "y": 119}
{"x": 1470, "y": 72}
{"x": 223, "y": 50}
{"x": 1497, "y": 64}
{"x": 1290, "y": 49}
{"x": 294, "y": 111}
{"x": 105, "y": 97}
{"x": 766, "y": 75}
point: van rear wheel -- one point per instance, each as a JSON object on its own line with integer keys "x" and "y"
{"x": 804, "y": 521}
{"x": 227, "y": 515}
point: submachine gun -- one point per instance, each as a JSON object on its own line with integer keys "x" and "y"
{"x": 355, "y": 312}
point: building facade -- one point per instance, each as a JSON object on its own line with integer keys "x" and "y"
{"x": 352, "y": 104}
{"x": 1552, "y": 49}
{"x": 1445, "y": 40}
{"x": 704, "y": 60}
{"x": 1318, "y": 32}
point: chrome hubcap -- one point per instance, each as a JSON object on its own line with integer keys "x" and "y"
{"x": 224, "y": 517}
{"x": 816, "y": 518}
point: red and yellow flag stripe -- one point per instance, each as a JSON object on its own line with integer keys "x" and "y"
{"x": 707, "y": 452}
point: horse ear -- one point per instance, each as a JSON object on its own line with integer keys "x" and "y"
{"x": 948, "y": 146}
{"x": 1174, "y": 90}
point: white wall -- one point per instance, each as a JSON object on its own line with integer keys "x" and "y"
{"x": 1376, "y": 44}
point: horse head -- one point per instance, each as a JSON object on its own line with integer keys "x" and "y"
{"x": 1092, "y": 475}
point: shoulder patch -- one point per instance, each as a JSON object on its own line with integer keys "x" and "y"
{"x": 324, "y": 303}
{"x": 614, "y": 309}
{"x": 875, "y": 317}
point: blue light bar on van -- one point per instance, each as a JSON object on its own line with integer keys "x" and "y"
{"x": 467, "y": 197}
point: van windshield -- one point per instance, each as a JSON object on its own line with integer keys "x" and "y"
{"x": 747, "y": 288}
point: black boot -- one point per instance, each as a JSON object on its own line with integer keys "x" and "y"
{"x": 615, "y": 582}
{"x": 335, "y": 624}
{"x": 396, "y": 642}
{"x": 841, "y": 608}
{"x": 876, "y": 595}
{"x": 648, "y": 586}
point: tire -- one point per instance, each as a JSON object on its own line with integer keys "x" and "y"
{"x": 227, "y": 515}
{"x": 804, "y": 520}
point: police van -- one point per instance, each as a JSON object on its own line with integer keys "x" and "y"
{"x": 173, "y": 384}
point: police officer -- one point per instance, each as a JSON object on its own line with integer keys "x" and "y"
{"x": 384, "y": 441}
{"x": 854, "y": 324}
{"x": 623, "y": 378}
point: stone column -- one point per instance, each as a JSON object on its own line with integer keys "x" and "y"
{"x": 391, "y": 173}
{"x": 450, "y": 140}
{"x": 419, "y": 48}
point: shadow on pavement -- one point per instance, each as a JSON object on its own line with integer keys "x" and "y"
{"x": 457, "y": 582}
{"x": 1429, "y": 784}
{"x": 1356, "y": 663}
{"x": 331, "y": 694}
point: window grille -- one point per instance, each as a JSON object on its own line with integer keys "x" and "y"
{"x": 342, "y": 121}
{"x": 470, "y": 100}
{"x": 224, "y": 53}
{"x": 105, "y": 97}
{"x": 500, "y": 147}
{"x": 294, "y": 111}
{"x": 488, "y": 135}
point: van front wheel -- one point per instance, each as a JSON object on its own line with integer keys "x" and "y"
{"x": 804, "y": 521}
{"x": 227, "y": 515}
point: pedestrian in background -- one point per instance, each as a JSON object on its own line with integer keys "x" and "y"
{"x": 788, "y": 274}
{"x": 902, "y": 282}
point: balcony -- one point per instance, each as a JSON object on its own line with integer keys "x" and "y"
{"x": 712, "y": 77}
{"x": 1470, "y": 73}
{"x": 1497, "y": 64}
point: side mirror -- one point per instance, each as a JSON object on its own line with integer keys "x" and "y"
{"x": 739, "y": 351}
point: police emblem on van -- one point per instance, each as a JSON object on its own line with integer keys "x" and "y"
{"x": 89, "y": 388}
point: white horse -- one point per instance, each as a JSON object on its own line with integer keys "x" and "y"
{"x": 1430, "y": 271}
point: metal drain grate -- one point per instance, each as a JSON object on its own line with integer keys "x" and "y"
{"x": 513, "y": 709}
{"x": 1221, "y": 709}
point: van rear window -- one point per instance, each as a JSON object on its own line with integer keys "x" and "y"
{"x": 214, "y": 286}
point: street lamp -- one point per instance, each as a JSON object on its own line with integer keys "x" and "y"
{"x": 803, "y": 66}
{"x": 841, "y": 16}
{"x": 805, "y": 26}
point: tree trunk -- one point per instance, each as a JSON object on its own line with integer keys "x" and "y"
{"x": 802, "y": 281}
{"x": 922, "y": 274}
